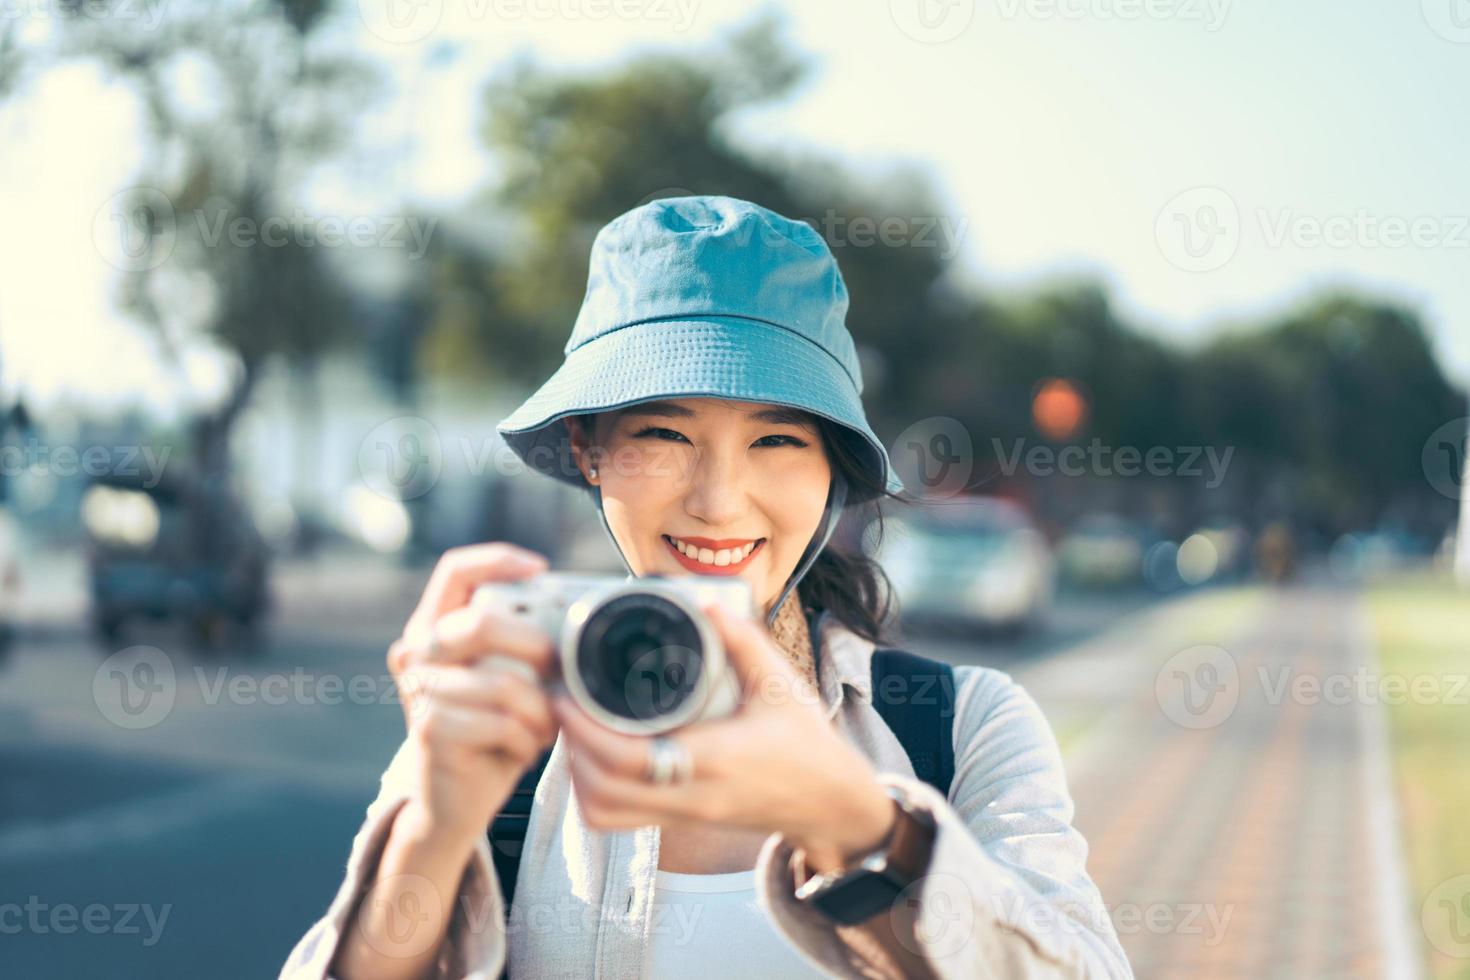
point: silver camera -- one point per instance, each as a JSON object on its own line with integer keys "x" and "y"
{"x": 637, "y": 654}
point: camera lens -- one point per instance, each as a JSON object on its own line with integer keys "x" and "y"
{"x": 640, "y": 656}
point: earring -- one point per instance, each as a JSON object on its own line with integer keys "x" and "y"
{"x": 594, "y": 472}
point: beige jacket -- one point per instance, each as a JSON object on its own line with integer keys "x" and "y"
{"x": 1007, "y": 893}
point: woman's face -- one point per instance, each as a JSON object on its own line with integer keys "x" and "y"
{"x": 718, "y": 476}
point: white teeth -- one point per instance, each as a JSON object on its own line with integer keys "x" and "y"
{"x": 721, "y": 558}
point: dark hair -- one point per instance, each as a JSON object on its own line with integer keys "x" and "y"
{"x": 848, "y": 584}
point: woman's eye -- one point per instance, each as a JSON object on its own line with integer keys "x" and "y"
{"x": 666, "y": 435}
{"x": 790, "y": 441}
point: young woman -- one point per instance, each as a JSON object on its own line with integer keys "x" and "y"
{"x": 710, "y": 402}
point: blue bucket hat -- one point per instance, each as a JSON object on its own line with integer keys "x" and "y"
{"x": 707, "y": 296}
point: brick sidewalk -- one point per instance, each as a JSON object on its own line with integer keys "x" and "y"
{"x": 1229, "y": 821}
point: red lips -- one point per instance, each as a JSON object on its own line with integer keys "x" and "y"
{"x": 695, "y": 565}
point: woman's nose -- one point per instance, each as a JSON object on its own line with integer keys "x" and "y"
{"x": 717, "y": 492}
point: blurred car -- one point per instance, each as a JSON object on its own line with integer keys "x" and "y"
{"x": 9, "y": 575}
{"x": 971, "y": 561}
{"x": 1105, "y": 550}
{"x": 181, "y": 550}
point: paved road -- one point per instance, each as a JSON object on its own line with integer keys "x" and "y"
{"x": 205, "y": 842}
{"x": 1237, "y": 829}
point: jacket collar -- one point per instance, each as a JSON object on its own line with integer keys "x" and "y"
{"x": 844, "y": 663}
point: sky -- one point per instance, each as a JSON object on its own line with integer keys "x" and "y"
{"x": 1212, "y": 162}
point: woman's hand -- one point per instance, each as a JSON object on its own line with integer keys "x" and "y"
{"x": 474, "y": 725}
{"x": 776, "y": 765}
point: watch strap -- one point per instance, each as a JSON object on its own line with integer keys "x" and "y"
{"x": 873, "y": 881}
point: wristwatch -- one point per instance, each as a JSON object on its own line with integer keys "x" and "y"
{"x": 856, "y": 894}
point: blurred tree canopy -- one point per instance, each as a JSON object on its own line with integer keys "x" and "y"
{"x": 240, "y": 100}
{"x": 1325, "y": 407}
{"x": 1334, "y": 400}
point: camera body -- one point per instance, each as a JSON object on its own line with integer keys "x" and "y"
{"x": 637, "y": 654}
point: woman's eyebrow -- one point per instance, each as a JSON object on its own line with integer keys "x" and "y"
{"x": 775, "y": 415}
{"x": 659, "y": 410}
{"x": 781, "y": 416}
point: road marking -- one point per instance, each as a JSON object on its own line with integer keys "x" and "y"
{"x": 1400, "y": 951}
{"x": 138, "y": 820}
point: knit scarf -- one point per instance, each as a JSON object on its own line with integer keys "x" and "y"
{"x": 792, "y": 635}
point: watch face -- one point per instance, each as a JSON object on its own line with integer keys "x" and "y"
{"x": 857, "y": 899}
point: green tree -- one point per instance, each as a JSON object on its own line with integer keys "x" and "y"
{"x": 280, "y": 98}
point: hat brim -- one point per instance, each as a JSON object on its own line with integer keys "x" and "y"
{"x": 727, "y": 357}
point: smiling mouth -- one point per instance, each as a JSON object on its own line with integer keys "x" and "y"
{"x": 734, "y": 559}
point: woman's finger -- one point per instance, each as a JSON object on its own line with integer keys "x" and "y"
{"x": 479, "y": 728}
{"x": 461, "y": 570}
{"x": 625, "y": 755}
{"x": 470, "y": 634}
{"x": 610, "y": 799}
{"x": 750, "y": 650}
{"x": 485, "y": 684}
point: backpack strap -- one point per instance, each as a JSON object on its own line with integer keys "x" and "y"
{"x": 508, "y": 829}
{"x": 916, "y": 698}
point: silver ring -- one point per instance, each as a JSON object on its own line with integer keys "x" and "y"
{"x": 668, "y": 761}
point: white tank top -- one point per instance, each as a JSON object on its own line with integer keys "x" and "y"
{"x": 710, "y": 926}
